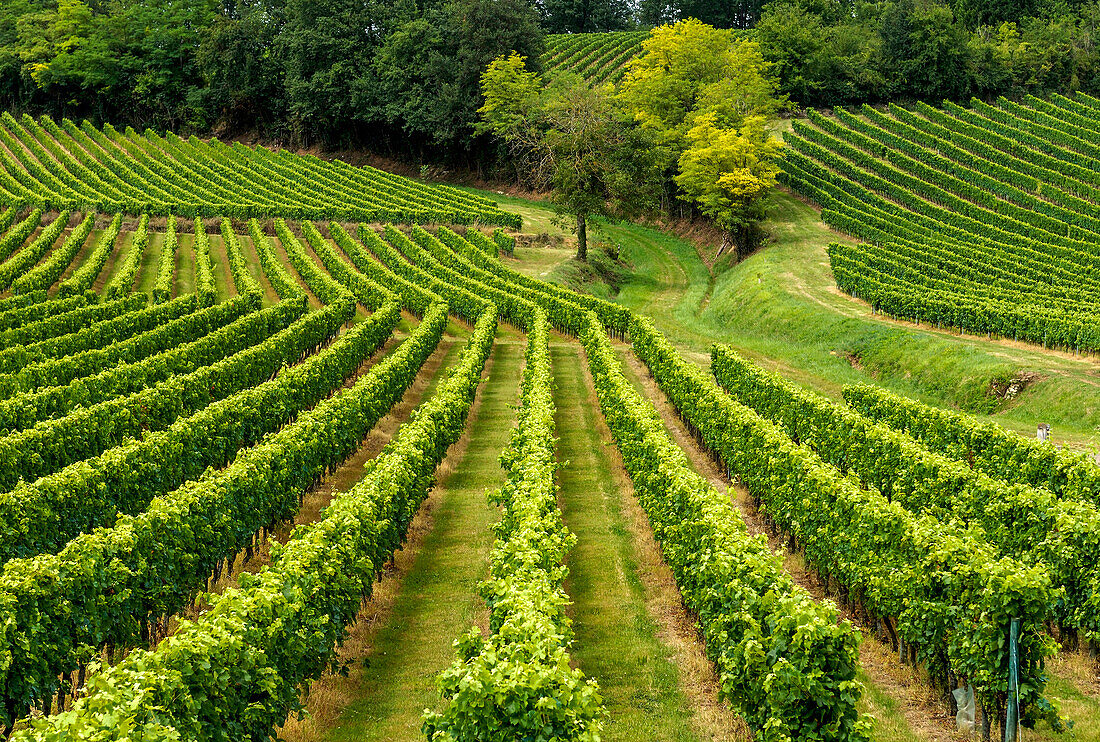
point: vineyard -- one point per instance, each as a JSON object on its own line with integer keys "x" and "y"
{"x": 49, "y": 166}
{"x": 982, "y": 219}
{"x": 597, "y": 57}
{"x": 234, "y": 381}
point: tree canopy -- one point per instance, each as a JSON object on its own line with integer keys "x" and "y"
{"x": 402, "y": 76}
{"x": 571, "y": 139}
{"x": 398, "y": 73}
{"x": 688, "y": 69}
{"x": 585, "y": 16}
{"x": 828, "y": 53}
{"x": 689, "y": 120}
{"x": 729, "y": 174}
{"x": 707, "y": 97}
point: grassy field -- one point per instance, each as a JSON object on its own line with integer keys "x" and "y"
{"x": 781, "y": 308}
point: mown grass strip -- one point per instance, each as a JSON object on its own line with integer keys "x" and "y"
{"x": 439, "y": 600}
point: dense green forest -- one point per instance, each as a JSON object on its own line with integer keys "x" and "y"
{"x": 402, "y": 76}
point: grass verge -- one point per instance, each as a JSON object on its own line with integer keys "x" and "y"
{"x": 438, "y": 600}
{"x": 644, "y": 666}
{"x": 781, "y": 308}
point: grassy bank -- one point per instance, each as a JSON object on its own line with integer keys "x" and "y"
{"x": 781, "y": 308}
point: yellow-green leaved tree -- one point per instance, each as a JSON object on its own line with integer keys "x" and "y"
{"x": 707, "y": 96}
{"x": 728, "y": 174}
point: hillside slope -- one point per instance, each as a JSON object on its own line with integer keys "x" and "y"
{"x": 782, "y": 308}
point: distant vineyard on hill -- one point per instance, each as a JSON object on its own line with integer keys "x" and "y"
{"x": 50, "y": 166}
{"x": 985, "y": 219}
{"x": 597, "y": 57}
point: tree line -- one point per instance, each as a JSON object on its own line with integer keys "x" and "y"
{"x": 393, "y": 75}
{"x": 461, "y": 82}
{"x": 402, "y": 76}
{"x": 828, "y": 53}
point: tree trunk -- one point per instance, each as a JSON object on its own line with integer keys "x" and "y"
{"x": 730, "y": 241}
{"x": 987, "y": 722}
{"x": 582, "y": 238}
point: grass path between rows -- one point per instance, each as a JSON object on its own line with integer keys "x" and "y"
{"x": 252, "y": 260}
{"x": 146, "y": 277}
{"x": 107, "y": 272}
{"x": 617, "y": 640}
{"x": 219, "y": 264}
{"x": 79, "y": 260}
{"x": 437, "y": 599}
{"x": 185, "y": 265}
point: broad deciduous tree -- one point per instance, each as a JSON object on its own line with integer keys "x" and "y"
{"x": 571, "y": 139}
{"x": 729, "y": 174}
{"x": 706, "y": 97}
